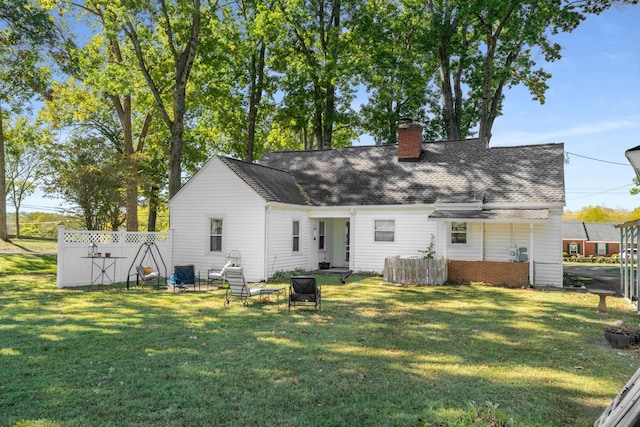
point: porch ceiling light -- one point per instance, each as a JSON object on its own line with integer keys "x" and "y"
{"x": 633, "y": 155}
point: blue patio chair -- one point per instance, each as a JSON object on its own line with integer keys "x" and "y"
{"x": 185, "y": 276}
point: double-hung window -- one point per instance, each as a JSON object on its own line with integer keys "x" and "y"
{"x": 215, "y": 236}
{"x": 296, "y": 236}
{"x": 321, "y": 235}
{"x": 384, "y": 230}
{"x": 458, "y": 232}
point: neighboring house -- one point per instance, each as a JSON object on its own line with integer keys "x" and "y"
{"x": 590, "y": 239}
{"x": 482, "y": 208}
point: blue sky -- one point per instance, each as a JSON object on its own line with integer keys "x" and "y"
{"x": 592, "y": 106}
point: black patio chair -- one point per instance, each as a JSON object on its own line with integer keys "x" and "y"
{"x": 304, "y": 290}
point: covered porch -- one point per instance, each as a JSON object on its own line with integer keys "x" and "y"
{"x": 330, "y": 250}
{"x": 498, "y": 246}
{"x": 629, "y": 280}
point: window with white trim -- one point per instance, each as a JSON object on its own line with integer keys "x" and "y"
{"x": 321, "y": 235}
{"x": 601, "y": 248}
{"x": 215, "y": 236}
{"x": 384, "y": 230}
{"x": 458, "y": 232}
{"x": 573, "y": 248}
{"x": 296, "y": 236}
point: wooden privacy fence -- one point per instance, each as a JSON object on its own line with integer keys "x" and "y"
{"x": 415, "y": 270}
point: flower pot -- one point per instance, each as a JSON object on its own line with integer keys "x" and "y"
{"x": 324, "y": 265}
{"x": 617, "y": 339}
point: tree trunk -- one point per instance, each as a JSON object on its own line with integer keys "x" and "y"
{"x": 448, "y": 101}
{"x": 177, "y": 131}
{"x": 329, "y": 109}
{"x": 153, "y": 208}
{"x": 255, "y": 97}
{"x": 3, "y": 184}
{"x": 175, "y": 160}
{"x": 17, "y": 222}
{"x": 124, "y": 110}
{"x": 317, "y": 117}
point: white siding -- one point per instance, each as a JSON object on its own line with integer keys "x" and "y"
{"x": 217, "y": 192}
{"x": 497, "y": 241}
{"x": 501, "y": 237}
{"x": 546, "y": 252}
{"x": 412, "y": 233}
{"x": 471, "y": 251}
{"x": 280, "y": 254}
{"x": 249, "y": 223}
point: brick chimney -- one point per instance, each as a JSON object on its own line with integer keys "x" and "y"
{"x": 409, "y": 141}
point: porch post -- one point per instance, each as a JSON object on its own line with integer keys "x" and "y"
{"x": 352, "y": 234}
{"x": 532, "y": 278}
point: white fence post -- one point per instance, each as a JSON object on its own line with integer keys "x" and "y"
{"x": 60, "y": 257}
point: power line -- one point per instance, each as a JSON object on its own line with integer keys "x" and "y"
{"x": 597, "y": 160}
{"x": 601, "y": 192}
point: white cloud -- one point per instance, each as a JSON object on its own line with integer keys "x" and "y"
{"x": 559, "y": 135}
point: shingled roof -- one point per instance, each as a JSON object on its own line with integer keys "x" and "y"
{"x": 592, "y": 231}
{"x": 450, "y": 171}
{"x": 271, "y": 184}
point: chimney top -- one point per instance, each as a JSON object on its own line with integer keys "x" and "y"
{"x": 409, "y": 140}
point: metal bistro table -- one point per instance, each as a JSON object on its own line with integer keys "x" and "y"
{"x": 103, "y": 269}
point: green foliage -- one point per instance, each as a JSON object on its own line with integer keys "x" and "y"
{"x": 397, "y": 70}
{"x": 312, "y": 56}
{"x": 24, "y": 149}
{"x": 281, "y": 275}
{"x": 430, "y": 251}
{"x": 87, "y": 173}
{"x": 599, "y": 213}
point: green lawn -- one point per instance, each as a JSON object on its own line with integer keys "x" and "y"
{"x": 375, "y": 355}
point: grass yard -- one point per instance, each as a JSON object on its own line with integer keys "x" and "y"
{"x": 375, "y": 355}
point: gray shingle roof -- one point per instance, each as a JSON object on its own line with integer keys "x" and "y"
{"x": 494, "y": 214}
{"x": 271, "y": 184}
{"x": 591, "y": 231}
{"x": 602, "y": 232}
{"x": 573, "y": 230}
{"x": 452, "y": 171}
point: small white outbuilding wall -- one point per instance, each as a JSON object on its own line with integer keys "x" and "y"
{"x": 76, "y": 268}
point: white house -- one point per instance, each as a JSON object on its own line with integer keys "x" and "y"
{"x": 493, "y": 212}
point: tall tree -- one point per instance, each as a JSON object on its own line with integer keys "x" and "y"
{"x": 485, "y": 47}
{"x": 313, "y": 57}
{"x": 397, "y": 69}
{"x": 27, "y": 33}
{"x": 24, "y": 161}
{"x": 118, "y": 79}
{"x": 233, "y": 82}
{"x": 165, "y": 36}
{"x": 106, "y": 72}
{"x": 86, "y": 172}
